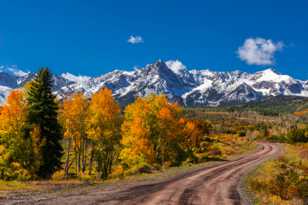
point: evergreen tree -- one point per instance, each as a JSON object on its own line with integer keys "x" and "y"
{"x": 43, "y": 126}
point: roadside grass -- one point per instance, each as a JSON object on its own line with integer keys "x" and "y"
{"x": 282, "y": 181}
{"x": 19, "y": 187}
{"x": 16, "y": 187}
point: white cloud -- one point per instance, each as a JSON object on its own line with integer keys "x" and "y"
{"x": 259, "y": 51}
{"x": 135, "y": 39}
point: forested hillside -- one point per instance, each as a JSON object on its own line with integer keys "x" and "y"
{"x": 271, "y": 106}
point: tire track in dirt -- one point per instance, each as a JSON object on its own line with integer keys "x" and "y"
{"x": 215, "y": 186}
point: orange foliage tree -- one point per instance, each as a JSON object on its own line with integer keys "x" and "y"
{"x": 151, "y": 133}
{"x": 135, "y": 130}
{"x": 73, "y": 117}
{"x": 103, "y": 124}
{"x": 196, "y": 134}
{"x": 16, "y": 157}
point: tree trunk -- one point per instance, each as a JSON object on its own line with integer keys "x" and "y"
{"x": 91, "y": 160}
{"x": 67, "y": 158}
{"x": 78, "y": 162}
{"x": 84, "y": 149}
{"x": 106, "y": 165}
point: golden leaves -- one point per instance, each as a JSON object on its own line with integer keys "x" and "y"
{"x": 103, "y": 115}
{"x": 13, "y": 113}
{"x": 149, "y": 124}
{"x": 73, "y": 115}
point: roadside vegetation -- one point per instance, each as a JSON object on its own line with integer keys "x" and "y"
{"x": 282, "y": 181}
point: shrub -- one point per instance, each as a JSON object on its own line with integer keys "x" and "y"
{"x": 58, "y": 175}
{"x": 298, "y": 135}
{"x": 303, "y": 188}
{"x": 276, "y": 138}
{"x": 242, "y": 133}
{"x": 117, "y": 172}
{"x": 285, "y": 183}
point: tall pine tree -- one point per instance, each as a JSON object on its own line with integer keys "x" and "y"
{"x": 43, "y": 125}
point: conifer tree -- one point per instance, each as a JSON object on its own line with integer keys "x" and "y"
{"x": 42, "y": 123}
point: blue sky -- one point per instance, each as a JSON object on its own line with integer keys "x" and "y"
{"x": 91, "y": 37}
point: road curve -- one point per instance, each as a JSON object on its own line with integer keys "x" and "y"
{"x": 216, "y": 185}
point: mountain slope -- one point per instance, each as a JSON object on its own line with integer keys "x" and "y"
{"x": 172, "y": 78}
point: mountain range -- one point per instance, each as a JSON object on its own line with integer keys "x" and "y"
{"x": 190, "y": 87}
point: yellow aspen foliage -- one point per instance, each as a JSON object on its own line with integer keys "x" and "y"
{"x": 73, "y": 116}
{"x": 170, "y": 135}
{"x": 135, "y": 132}
{"x": 195, "y": 132}
{"x": 12, "y": 114}
{"x": 151, "y": 132}
{"x": 15, "y": 150}
{"x": 103, "y": 129}
{"x": 73, "y": 119}
{"x": 103, "y": 115}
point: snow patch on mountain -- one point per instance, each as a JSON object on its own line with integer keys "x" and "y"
{"x": 196, "y": 87}
{"x": 74, "y": 78}
{"x": 13, "y": 70}
{"x": 176, "y": 66}
{"x": 4, "y": 91}
{"x": 271, "y": 75}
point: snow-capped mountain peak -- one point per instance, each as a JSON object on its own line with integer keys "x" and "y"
{"x": 273, "y": 76}
{"x": 176, "y": 66}
{"x": 14, "y": 70}
{"x": 197, "y": 87}
{"x": 75, "y": 78}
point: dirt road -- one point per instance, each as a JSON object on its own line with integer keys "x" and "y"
{"x": 214, "y": 185}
